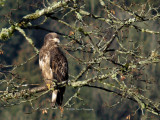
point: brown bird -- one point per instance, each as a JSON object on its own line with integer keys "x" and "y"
{"x": 54, "y": 66}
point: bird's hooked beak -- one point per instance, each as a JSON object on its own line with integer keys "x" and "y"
{"x": 56, "y": 40}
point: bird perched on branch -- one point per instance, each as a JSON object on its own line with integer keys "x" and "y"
{"x": 54, "y": 66}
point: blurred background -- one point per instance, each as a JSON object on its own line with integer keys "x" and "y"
{"x": 94, "y": 104}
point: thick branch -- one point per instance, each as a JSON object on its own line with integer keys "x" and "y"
{"x": 23, "y": 93}
{"x": 130, "y": 94}
{"x": 6, "y": 33}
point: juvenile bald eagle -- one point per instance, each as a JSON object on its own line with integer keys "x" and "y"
{"x": 54, "y": 66}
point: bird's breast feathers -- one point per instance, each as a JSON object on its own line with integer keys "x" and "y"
{"x": 44, "y": 63}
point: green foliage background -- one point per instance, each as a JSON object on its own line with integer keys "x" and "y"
{"x": 95, "y": 104}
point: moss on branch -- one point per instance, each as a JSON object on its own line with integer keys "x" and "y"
{"x": 6, "y": 33}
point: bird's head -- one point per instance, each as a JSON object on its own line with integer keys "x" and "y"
{"x": 51, "y": 38}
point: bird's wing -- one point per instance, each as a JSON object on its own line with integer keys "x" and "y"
{"x": 59, "y": 65}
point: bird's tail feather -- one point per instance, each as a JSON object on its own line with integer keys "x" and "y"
{"x": 54, "y": 96}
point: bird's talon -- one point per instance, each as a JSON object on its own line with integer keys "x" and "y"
{"x": 49, "y": 86}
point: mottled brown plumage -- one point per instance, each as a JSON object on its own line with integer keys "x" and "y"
{"x": 54, "y": 65}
